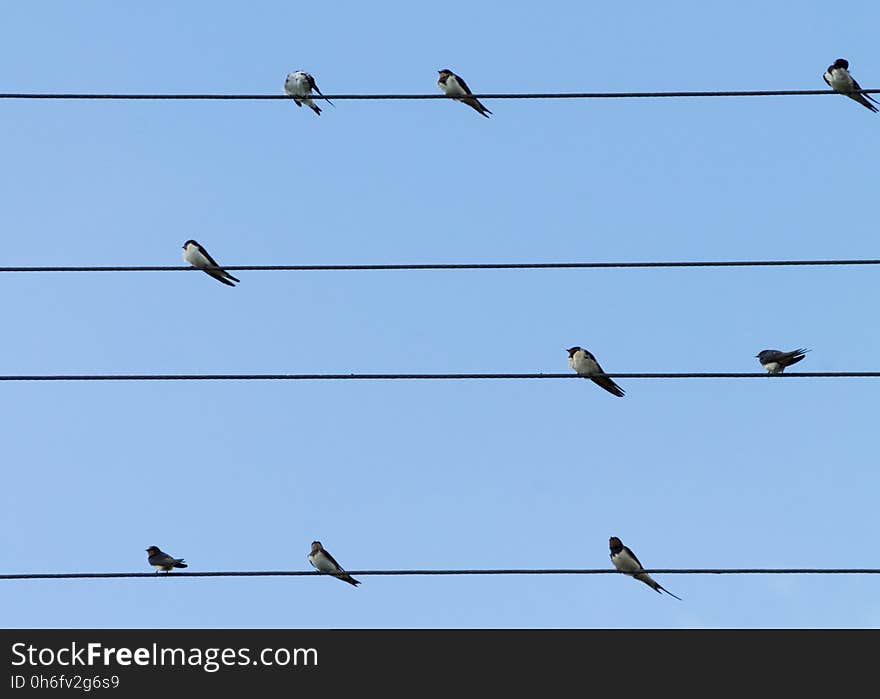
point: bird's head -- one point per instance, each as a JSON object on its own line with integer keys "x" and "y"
{"x": 188, "y": 243}
{"x": 316, "y": 546}
{"x": 841, "y": 63}
{"x": 615, "y": 544}
{"x": 153, "y": 550}
{"x": 572, "y": 350}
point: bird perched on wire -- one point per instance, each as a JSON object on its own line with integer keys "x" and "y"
{"x": 585, "y": 364}
{"x": 455, "y": 86}
{"x": 321, "y": 559}
{"x": 160, "y": 560}
{"x": 300, "y": 86}
{"x": 197, "y": 256}
{"x": 775, "y": 361}
{"x": 626, "y": 562}
{"x": 839, "y": 79}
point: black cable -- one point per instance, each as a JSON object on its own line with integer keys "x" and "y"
{"x": 383, "y": 377}
{"x": 499, "y": 571}
{"x": 522, "y": 95}
{"x": 451, "y": 265}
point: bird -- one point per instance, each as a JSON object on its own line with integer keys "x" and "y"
{"x": 584, "y": 363}
{"x": 775, "y": 361}
{"x": 160, "y": 560}
{"x": 839, "y": 79}
{"x": 321, "y": 559}
{"x": 197, "y": 256}
{"x": 454, "y": 86}
{"x": 626, "y": 562}
{"x": 300, "y": 85}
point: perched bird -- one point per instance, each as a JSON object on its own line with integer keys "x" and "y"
{"x": 162, "y": 561}
{"x": 300, "y": 86}
{"x": 456, "y": 87}
{"x": 197, "y": 256}
{"x": 584, "y": 363}
{"x": 775, "y": 361}
{"x": 838, "y": 78}
{"x": 626, "y": 562}
{"x": 321, "y": 559}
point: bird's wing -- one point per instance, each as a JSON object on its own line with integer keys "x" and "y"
{"x": 633, "y": 556}
{"x": 333, "y": 561}
{"x": 463, "y": 84}
{"x": 208, "y": 257}
{"x": 314, "y": 86}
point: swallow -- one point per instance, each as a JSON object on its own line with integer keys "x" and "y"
{"x": 838, "y": 78}
{"x": 456, "y": 87}
{"x": 585, "y": 364}
{"x": 321, "y": 559}
{"x": 775, "y": 361}
{"x": 626, "y": 562}
{"x": 300, "y": 85}
{"x": 197, "y": 256}
{"x": 160, "y": 560}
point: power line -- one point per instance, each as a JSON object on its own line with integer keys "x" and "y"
{"x": 482, "y": 571}
{"x": 391, "y": 377}
{"x": 508, "y": 95}
{"x": 454, "y": 265}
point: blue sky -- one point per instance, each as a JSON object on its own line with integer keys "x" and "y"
{"x": 431, "y": 474}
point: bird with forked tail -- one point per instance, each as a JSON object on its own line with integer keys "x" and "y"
{"x": 626, "y": 562}
{"x": 321, "y": 559}
{"x": 838, "y": 77}
{"x": 455, "y": 86}
{"x": 160, "y": 560}
{"x": 775, "y": 361}
{"x": 585, "y": 364}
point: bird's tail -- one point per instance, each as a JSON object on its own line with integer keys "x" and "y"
{"x": 660, "y": 587}
{"x": 654, "y": 585}
{"x": 862, "y": 99}
{"x": 178, "y": 563}
{"x": 350, "y": 580}
{"x": 797, "y": 355}
{"x": 608, "y": 384}
{"x": 870, "y": 97}
{"x": 315, "y": 108}
{"x": 319, "y": 92}
{"x": 476, "y": 104}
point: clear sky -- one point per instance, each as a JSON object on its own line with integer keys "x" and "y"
{"x": 433, "y": 474}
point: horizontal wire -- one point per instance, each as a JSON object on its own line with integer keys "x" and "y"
{"x": 451, "y": 265}
{"x": 481, "y": 571}
{"x": 508, "y": 95}
{"x": 383, "y": 377}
